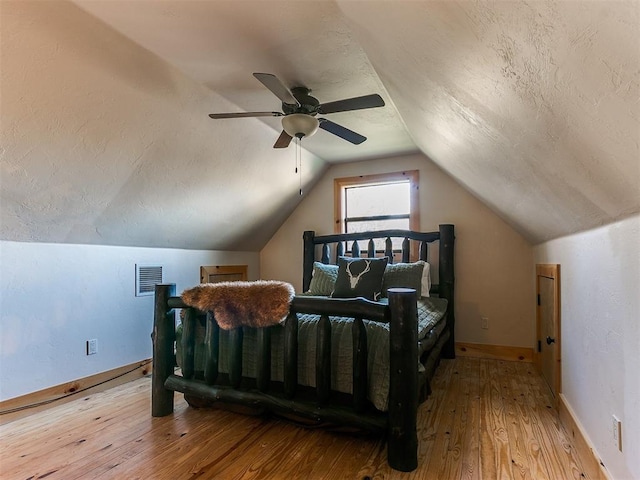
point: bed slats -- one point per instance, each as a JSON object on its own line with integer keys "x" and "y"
{"x": 371, "y": 249}
{"x": 325, "y": 253}
{"x": 290, "y": 355}
{"x": 405, "y": 250}
{"x": 340, "y": 243}
{"x": 263, "y": 348}
{"x": 263, "y": 352}
{"x": 323, "y": 359}
{"x": 212, "y": 348}
{"x": 355, "y": 250}
{"x": 188, "y": 342}
{"x": 424, "y": 251}
{"x": 235, "y": 357}
{"x": 263, "y": 374}
{"x": 388, "y": 249}
{"x": 405, "y": 253}
{"x": 360, "y": 355}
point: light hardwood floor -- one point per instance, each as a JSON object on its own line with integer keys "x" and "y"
{"x": 486, "y": 419}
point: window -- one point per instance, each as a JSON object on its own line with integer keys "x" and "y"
{"x": 377, "y": 202}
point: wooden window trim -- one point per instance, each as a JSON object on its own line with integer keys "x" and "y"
{"x": 340, "y": 184}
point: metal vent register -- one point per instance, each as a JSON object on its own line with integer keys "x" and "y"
{"x": 146, "y": 278}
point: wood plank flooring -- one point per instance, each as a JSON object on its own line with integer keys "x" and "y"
{"x": 486, "y": 419}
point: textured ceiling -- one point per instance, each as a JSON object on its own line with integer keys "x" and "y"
{"x": 220, "y": 43}
{"x": 532, "y": 106}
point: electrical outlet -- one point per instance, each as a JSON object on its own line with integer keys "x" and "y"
{"x": 92, "y": 346}
{"x": 616, "y": 430}
{"x": 484, "y": 322}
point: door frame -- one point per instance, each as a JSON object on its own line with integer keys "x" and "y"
{"x": 550, "y": 271}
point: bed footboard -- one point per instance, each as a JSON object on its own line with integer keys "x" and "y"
{"x": 399, "y": 422}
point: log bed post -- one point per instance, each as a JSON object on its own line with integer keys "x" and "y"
{"x": 402, "y": 443}
{"x": 447, "y": 283}
{"x": 308, "y": 257}
{"x": 164, "y": 330}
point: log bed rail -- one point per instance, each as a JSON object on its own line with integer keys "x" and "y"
{"x": 399, "y": 422}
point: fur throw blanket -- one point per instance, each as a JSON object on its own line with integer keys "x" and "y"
{"x": 235, "y": 304}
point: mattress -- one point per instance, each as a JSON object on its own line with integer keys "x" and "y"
{"x": 431, "y": 322}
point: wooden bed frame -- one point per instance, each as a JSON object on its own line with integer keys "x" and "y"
{"x": 407, "y": 387}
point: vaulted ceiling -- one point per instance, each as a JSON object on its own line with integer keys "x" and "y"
{"x": 534, "y": 107}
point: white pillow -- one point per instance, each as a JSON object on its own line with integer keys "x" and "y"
{"x": 426, "y": 279}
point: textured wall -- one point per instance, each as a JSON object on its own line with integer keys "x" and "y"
{"x": 532, "y": 106}
{"x": 494, "y": 264}
{"x": 105, "y": 143}
{"x": 54, "y": 297}
{"x": 600, "y": 320}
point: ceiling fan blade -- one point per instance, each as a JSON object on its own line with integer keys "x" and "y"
{"x": 283, "y": 140}
{"x": 274, "y": 84}
{"x": 356, "y": 103}
{"x": 246, "y": 114}
{"x": 340, "y": 131}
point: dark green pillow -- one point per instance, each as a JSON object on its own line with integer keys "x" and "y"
{"x": 360, "y": 277}
{"x": 403, "y": 275}
{"x": 323, "y": 279}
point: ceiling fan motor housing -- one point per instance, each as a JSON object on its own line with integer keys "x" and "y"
{"x": 308, "y": 104}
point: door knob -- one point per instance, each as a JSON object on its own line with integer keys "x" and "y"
{"x": 550, "y": 340}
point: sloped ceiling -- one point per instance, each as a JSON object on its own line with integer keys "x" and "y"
{"x": 532, "y": 106}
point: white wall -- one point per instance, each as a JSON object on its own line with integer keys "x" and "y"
{"x": 54, "y": 297}
{"x": 494, "y": 264}
{"x": 103, "y": 143}
{"x": 600, "y": 321}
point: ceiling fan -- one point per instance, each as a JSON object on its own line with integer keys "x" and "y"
{"x": 299, "y": 111}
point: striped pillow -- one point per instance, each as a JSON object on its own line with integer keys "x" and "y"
{"x": 323, "y": 279}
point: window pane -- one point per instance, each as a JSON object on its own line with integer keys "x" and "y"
{"x": 373, "y": 225}
{"x": 385, "y": 199}
{"x": 370, "y": 225}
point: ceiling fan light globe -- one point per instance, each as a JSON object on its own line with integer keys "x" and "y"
{"x": 300, "y": 125}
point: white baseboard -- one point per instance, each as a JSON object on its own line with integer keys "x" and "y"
{"x": 588, "y": 456}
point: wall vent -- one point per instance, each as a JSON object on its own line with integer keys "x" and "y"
{"x": 147, "y": 276}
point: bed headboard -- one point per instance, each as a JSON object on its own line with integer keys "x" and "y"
{"x": 327, "y": 249}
